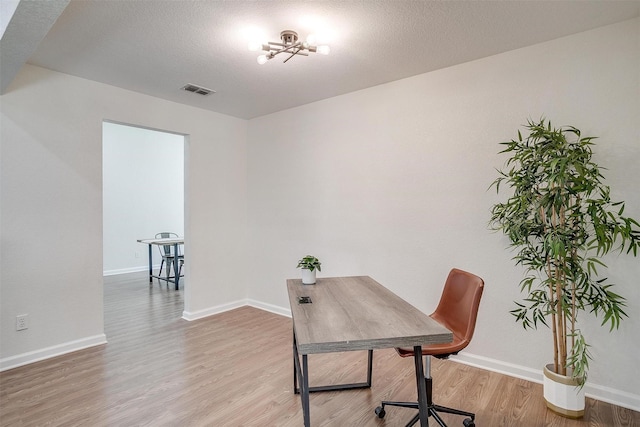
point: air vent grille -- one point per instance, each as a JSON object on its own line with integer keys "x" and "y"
{"x": 198, "y": 89}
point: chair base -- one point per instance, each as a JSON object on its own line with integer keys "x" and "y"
{"x": 432, "y": 408}
{"x": 433, "y": 412}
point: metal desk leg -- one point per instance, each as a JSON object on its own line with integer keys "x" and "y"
{"x": 150, "y": 265}
{"x": 422, "y": 387}
{"x": 296, "y": 365}
{"x": 175, "y": 265}
{"x": 369, "y": 367}
{"x": 305, "y": 391}
{"x": 301, "y": 374}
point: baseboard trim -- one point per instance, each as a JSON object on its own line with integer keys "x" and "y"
{"x": 269, "y": 307}
{"x": 594, "y": 391}
{"x": 129, "y": 270}
{"x": 613, "y": 396}
{"x": 499, "y": 366}
{"x": 49, "y": 352}
{"x": 200, "y": 314}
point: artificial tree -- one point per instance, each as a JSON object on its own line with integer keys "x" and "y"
{"x": 561, "y": 221}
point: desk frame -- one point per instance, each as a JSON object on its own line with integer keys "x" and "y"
{"x": 411, "y": 327}
{"x": 163, "y": 242}
{"x": 303, "y": 373}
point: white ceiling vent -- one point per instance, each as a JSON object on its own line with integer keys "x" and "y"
{"x": 198, "y": 89}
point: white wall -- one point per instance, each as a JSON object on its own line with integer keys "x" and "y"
{"x": 393, "y": 182}
{"x": 143, "y": 193}
{"x": 51, "y": 224}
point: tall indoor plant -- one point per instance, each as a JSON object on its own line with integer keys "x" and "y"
{"x": 561, "y": 221}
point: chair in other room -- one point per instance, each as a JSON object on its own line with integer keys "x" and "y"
{"x": 457, "y": 311}
{"x": 166, "y": 251}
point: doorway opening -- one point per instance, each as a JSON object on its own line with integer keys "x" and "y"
{"x": 143, "y": 180}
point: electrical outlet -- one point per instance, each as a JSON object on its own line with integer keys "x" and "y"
{"x": 137, "y": 254}
{"x": 22, "y": 322}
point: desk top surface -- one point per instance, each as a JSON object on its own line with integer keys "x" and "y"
{"x": 165, "y": 241}
{"x": 357, "y": 313}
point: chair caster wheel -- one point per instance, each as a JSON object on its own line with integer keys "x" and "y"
{"x": 468, "y": 423}
{"x": 380, "y": 412}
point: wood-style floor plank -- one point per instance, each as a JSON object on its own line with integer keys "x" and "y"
{"x": 235, "y": 369}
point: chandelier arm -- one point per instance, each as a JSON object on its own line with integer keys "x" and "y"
{"x": 278, "y": 44}
{"x": 288, "y": 45}
{"x": 287, "y": 48}
{"x": 300, "y": 52}
{"x": 292, "y": 55}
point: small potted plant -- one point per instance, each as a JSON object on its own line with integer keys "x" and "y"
{"x": 309, "y": 265}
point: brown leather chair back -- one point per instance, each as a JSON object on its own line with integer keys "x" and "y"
{"x": 458, "y": 306}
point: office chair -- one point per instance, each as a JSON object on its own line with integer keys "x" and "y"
{"x": 457, "y": 311}
{"x": 166, "y": 251}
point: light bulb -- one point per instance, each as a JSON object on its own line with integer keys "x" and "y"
{"x": 262, "y": 59}
{"x": 323, "y": 50}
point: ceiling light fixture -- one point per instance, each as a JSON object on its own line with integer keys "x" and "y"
{"x": 290, "y": 45}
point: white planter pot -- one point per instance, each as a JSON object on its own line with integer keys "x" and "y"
{"x": 563, "y": 394}
{"x": 308, "y": 277}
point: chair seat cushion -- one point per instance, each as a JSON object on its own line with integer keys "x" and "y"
{"x": 437, "y": 349}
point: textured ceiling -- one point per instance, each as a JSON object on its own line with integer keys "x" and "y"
{"x": 156, "y": 47}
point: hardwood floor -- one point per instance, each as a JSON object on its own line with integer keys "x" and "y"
{"x": 235, "y": 369}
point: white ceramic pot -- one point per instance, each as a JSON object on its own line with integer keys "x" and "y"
{"x": 308, "y": 277}
{"x": 563, "y": 394}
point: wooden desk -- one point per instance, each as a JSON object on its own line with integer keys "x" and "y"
{"x": 175, "y": 241}
{"x": 356, "y": 313}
